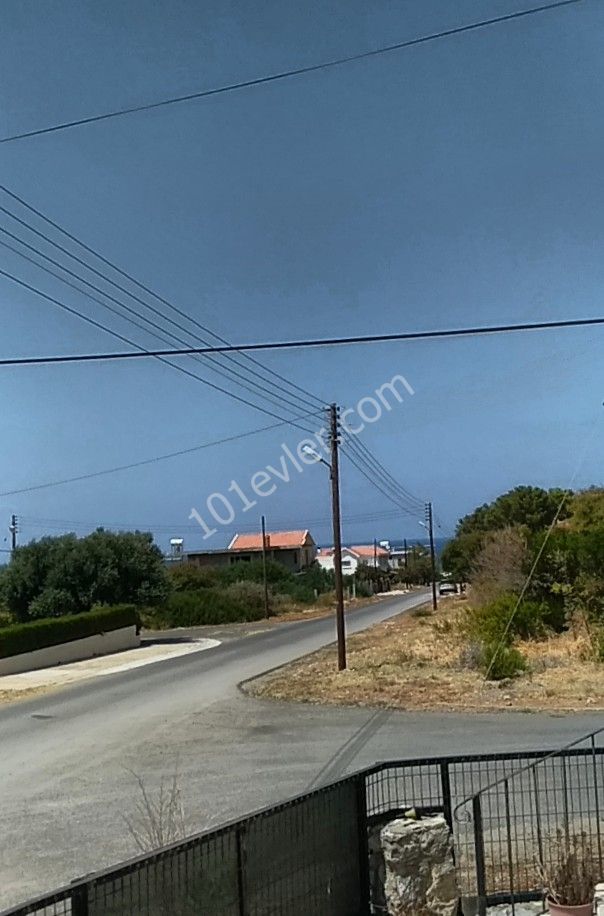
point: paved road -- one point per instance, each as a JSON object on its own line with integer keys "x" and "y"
{"x": 67, "y": 760}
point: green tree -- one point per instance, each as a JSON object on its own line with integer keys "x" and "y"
{"x": 418, "y": 570}
{"x": 530, "y": 507}
{"x": 587, "y": 510}
{"x": 54, "y": 576}
{"x": 459, "y": 554}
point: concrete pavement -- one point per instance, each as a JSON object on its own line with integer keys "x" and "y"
{"x": 66, "y": 761}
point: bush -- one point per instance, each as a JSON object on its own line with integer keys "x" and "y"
{"x": 500, "y": 661}
{"x": 249, "y": 596}
{"x": 185, "y": 577}
{"x": 327, "y": 599}
{"x": 104, "y": 567}
{"x": 490, "y": 623}
{"x": 243, "y": 571}
{"x": 241, "y": 601}
{"x": 26, "y": 637}
{"x": 52, "y": 602}
{"x": 363, "y": 588}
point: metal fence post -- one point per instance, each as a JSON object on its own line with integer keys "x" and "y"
{"x": 240, "y": 872}
{"x": 364, "y": 876}
{"x": 445, "y": 788}
{"x": 481, "y": 892}
{"x": 79, "y": 900}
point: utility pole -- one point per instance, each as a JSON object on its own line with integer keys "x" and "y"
{"x": 13, "y": 528}
{"x": 405, "y": 558}
{"x": 375, "y": 553}
{"x": 430, "y": 527}
{"x": 334, "y": 474}
{"x": 267, "y": 611}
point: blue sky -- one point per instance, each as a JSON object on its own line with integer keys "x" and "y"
{"x": 453, "y": 183}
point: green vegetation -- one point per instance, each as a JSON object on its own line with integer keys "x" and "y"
{"x": 544, "y": 545}
{"x": 39, "y": 634}
{"x": 217, "y": 595}
{"x": 501, "y": 621}
{"x": 418, "y": 570}
{"x": 501, "y": 662}
{"x": 68, "y": 575}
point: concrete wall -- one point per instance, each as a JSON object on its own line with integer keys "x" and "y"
{"x": 76, "y": 650}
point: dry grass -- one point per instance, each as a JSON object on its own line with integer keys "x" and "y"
{"x": 413, "y": 662}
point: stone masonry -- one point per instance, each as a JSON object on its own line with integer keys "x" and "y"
{"x": 420, "y": 873}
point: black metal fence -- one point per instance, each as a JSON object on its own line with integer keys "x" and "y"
{"x": 311, "y": 854}
{"x": 512, "y": 833}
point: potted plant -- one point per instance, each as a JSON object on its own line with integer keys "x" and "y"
{"x": 571, "y": 878}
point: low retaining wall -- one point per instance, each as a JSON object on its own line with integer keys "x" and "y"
{"x": 74, "y": 651}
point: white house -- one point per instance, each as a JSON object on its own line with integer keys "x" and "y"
{"x": 353, "y": 557}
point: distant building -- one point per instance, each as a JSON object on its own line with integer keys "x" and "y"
{"x": 398, "y": 557}
{"x": 355, "y": 556}
{"x": 296, "y": 550}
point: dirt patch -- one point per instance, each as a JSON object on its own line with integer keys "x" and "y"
{"x": 417, "y": 661}
{"x": 14, "y": 696}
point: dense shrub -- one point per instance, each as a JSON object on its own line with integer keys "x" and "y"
{"x": 490, "y": 623}
{"x": 246, "y": 595}
{"x": 39, "y": 634}
{"x": 501, "y": 661}
{"x": 253, "y": 571}
{"x": 52, "y": 602}
{"x": 240, "y": 601}
{"x": 56, "y": 575}
{"x": 300, "y": 588}
{"x": 185, "y": 577}
{"x": 363, "y": 588}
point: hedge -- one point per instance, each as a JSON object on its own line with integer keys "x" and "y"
{"x": 52, "y": 631}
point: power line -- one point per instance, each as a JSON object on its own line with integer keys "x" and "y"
{"x": 146, "y": 461}
{"x": 371, "y": 477}
{"x": 57, "y": 523}
{"x": 288, "y": 74}
{"x": 255, "y": 390}
{"x": 150, "y": 292}
{"x": 388, "y": 483}
{"x": 143, "y": 351}
{"x": 305, "y": 344}
{"x": 364, "y": 453}
{"x": 218, "y": 368}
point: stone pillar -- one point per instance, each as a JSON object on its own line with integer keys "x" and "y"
{"x": 599, "y": 899}
{"x": 420, "y": 873}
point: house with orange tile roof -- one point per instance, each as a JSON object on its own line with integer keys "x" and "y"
{"x": 296, "y": 550}
{"x": 355, "y": 556}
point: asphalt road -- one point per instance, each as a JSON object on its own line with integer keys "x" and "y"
{"x": 67, "y": 760}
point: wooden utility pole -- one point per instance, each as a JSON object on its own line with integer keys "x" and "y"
{"x": 334, "y": 474}
{"x": 267, "y": 610}
{"x": 13, "y": 528}
{"x": 405, "y": 558}
{"x": 375, "y": 553}
{"x": 430, "y": 527}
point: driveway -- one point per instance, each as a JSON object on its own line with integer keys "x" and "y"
{"x": 67, "y": 760}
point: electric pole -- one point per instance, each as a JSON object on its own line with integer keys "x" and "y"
{"x": 375, "y": 553}
{"x": 405, "y": 558}
{"x": 334, "y": 473}
{"x": 13, "y": 528}
{"x": 430, "y": 527}
{"x": 267, "y": 611}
